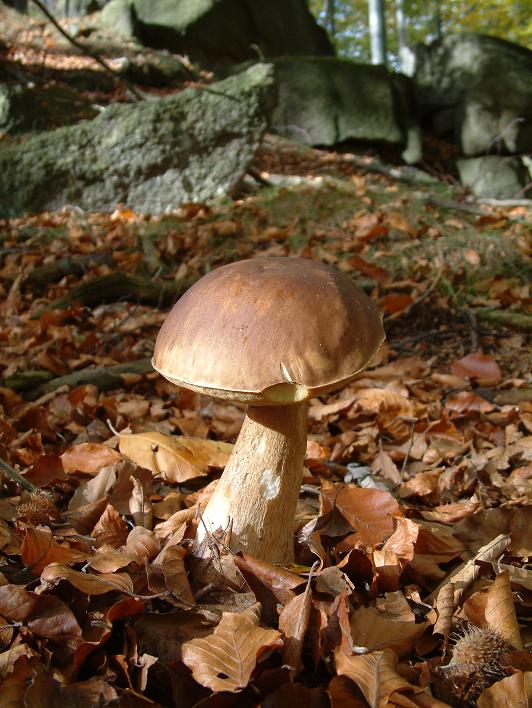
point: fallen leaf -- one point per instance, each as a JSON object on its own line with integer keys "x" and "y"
{"x": 89, "y": 458}
{"x": 375, "y": 674}
{"x": 374, "y": 631}
{"x": 87, "y": 582}
{"x": 500, "y": 610}
{"x": 370, "y": 512}
{"x": 175, "y": 459}
{"x": 478, "y": 366}
{"x": 511, "y": 692}
{"x": 226, "y": 660}
{"x": 395, "y": 302}
{"x": 293, "y": 623}
{"x": 39, "y": 548}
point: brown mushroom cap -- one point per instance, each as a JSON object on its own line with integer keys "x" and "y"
{"x": 269, "y": 330}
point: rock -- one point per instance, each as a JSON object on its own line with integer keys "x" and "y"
{"x": 73, "y": 8}
{"x": 24, "y": 109}
{"x": 151, "y": 156}
{"x": 477, "y": 90}
{"x": 493, "y": 176}
{"x": 326, "y": 101}
{"x": 230, "y": 31}
{"x": 120, "y": 16}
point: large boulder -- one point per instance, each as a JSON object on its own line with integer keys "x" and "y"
{"x": 151, "y": 156}
{"x": 325, "y": 101}
{"x": 222, "y": 31}
{"x": 478, "y": 90}
{"x": 494, "y": 176}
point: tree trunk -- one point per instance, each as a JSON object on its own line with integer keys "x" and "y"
{"x": 400, "y": 20}
{"x": 330, "y": 11}
{"x": 377, "y": 31}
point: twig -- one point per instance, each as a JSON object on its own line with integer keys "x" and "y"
{"x": 88, "y": 52}
{"x": 16, "y": 477}
{"x": 470, "y": 209}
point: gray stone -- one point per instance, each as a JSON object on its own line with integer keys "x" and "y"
{"x": 493, "y": 176}
{"x": 477, "y": 89}
{"x": 151, "y": 156}
{"x": 326, "y": 101}
{"x": 120, "y": 16}
{"x": 230, "y": 31}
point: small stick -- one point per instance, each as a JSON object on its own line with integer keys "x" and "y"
{"x": 16, "y": 477}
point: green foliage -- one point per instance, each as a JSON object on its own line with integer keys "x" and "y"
{"x": 508, "y": 19}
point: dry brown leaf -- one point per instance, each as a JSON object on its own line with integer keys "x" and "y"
{"x": 87, "y": 582}
{"x": 93, "y": 490}
{"x": 293, "y": 623}
{"x": 375, "y": 674}
{"x": 10, "y": 656}
{"x": 463, "y": 576}
{"x": 140, "y": 505}
{"x": 445, "y": 607}
{"x": 511, "y": 692}
{"x": 374, "y": 630}
{"x": 175, "y": 459}
{"x": 225, "y": 660}
{"x": 89, "y": 458}
{"x": 108, "y": 560}
{"x": 370, "y": 511}
{"x": 39, "y": 548}
{"x": 380, "y": 400}
{"x": 451, "y": 513}
{"x": 143, "y": 544}
{"x": 384, "y": 465}
{"x": 478, "y": 366}
{"x": 500, "y": 610}
{"x": 46, "y": 615}
{"x": 468, "y": 402}
{"x": 111, "y": 528}
{"x": 398, "y": 221}
{"x": 520, "y": 576}
{"x": 172, "y": 562}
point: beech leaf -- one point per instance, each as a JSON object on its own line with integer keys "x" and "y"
{"x": 511, "y": 692}
{"x": 225, "y": 660}
{"x": 87, "y": 582}
{"x": 500, "y": 610}
{"x": 375, "y": 674}
{"x": 175, "y": 459}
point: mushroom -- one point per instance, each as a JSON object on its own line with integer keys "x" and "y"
{"x": 272, "y": 333}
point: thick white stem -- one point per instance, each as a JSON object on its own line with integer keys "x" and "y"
{"x": 257, "y": 494}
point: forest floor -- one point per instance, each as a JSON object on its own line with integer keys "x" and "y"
{"x": 412, "y": 584}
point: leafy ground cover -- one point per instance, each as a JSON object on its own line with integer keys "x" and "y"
{"x": 412, "y": 584}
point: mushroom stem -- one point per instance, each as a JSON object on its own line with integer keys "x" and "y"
{"x": 257, "y": 494}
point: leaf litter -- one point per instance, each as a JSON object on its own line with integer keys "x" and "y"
{"x": 412, "y": 535}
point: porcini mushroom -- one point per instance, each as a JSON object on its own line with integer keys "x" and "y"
{"x": 272, "y": 333}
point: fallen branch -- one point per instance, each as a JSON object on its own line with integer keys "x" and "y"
{"x": 107, "y": 67}
{"x": 506, "y": 318}
{"x": 119, "y": 286}
{"x": 9, "y": 472}
{"x": 52, "y": 272}
{"x": 104, "y": 378}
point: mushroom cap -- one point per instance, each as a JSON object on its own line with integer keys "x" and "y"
{"x": 269, "y": 331}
